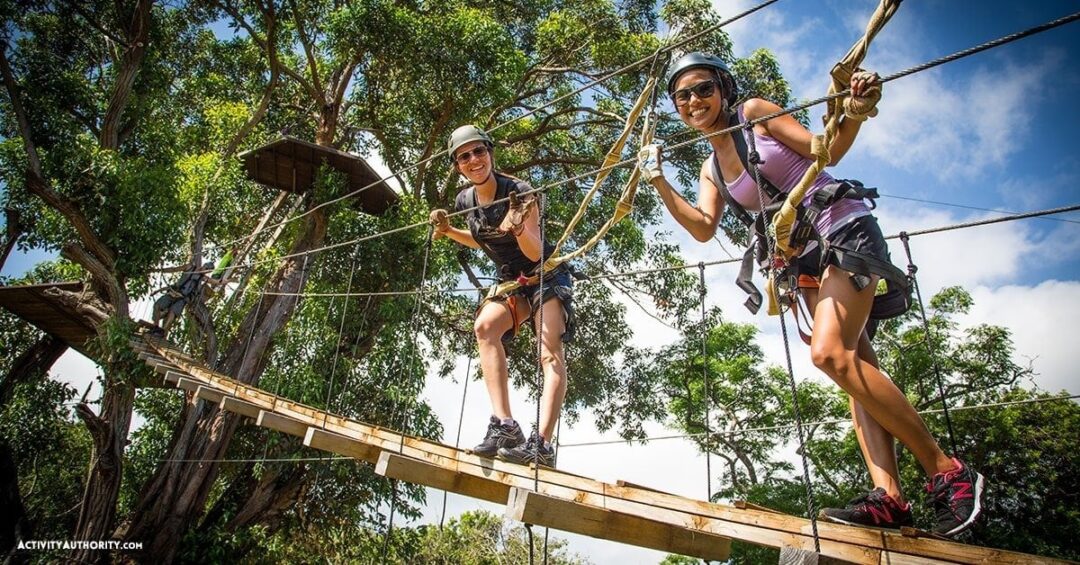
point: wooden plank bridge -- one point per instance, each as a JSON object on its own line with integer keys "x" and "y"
{"x": 619, "y": 512}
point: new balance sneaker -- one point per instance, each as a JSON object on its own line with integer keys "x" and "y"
{"x": 875, "y": 509}
{"x": 957, "y": 498}
{"x": 536, "y": 450}
{"x": 499, "y": 435}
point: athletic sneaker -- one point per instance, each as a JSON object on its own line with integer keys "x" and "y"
{"x": 957, "y": 498}
{"x": 499, "y": 435}
{"x": 536, "y": 450}
{"x": 875, "y": 509}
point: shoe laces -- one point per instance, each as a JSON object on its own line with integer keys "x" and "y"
{"x": 873, "y": 497}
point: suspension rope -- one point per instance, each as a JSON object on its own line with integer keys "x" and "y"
{"x": 705, "y": 379}
{"x": 858, "y": 109}
{"x": 530, "y": 112}
{"x": 341, "y": 330}
{"x": 416, "y": 349}
{"x": 969, "y": 207}
{"x": 461, "y": 418}
{"x": 632, "y": 161}
{"x": 290, "y": 337}
{"x": 539, "y": 331}
{"x": 912, "y": 269}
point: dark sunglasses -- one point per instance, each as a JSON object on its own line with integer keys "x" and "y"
{"x": 702, "y": 90}
{"x": 466, "y": 156}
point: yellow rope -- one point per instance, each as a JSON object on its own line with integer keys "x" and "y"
{"x": 626, "y": 200}
{"x": 856, "y": 109}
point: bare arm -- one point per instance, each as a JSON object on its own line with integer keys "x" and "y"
{"x": 701, "y": 220}
{"x": 790, "y": 132}
{"x": 461, "y": 236}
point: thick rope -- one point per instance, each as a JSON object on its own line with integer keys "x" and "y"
{"x": 705, "y": 379}
{"x": 622, "y": 208}
{"x": 819, "y": 144}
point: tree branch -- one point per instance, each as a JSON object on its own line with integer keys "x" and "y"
{"x": 35, "y": 179}
{"x": 550, "y": 161}
{"x": 130, "y": 62}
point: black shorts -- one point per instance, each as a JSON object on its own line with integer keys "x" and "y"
{"x": 861, "y": 235}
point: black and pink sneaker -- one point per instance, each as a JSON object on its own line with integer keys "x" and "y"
{"x": 957, "y": 497}
{"x": 875, "y": 509}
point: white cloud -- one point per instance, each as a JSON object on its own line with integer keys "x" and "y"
{"x": 789, "y": 40}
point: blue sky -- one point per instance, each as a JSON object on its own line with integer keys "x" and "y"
{"x": 995, "y": 130}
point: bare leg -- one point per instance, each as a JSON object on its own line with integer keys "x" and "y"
{"x": 493, "y": 321}
{"x": 839, "y": 319}
{"x": 553, "y": 362}
{"x": 877, "y": 444}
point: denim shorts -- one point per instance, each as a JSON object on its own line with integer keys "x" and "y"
{"x": 558, "y": 284}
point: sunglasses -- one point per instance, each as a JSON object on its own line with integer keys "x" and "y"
{"x": 466, "y": 156}
{"x": 702, "y": 90}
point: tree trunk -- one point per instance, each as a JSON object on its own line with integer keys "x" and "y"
{"x": 32, "y": 364}
{"x": 109, "y": 433}
{"x": 176, "y": 495}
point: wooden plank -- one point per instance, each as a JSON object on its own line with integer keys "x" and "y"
{"x": 173, "y": 377}
{"x": 420, "y": 472}
{"x": 742, "y": 504}
{"x": 242, "y": 407}
{"x": 211, "y": 395}
{"x": 335, "y": 443}
{"x": 569, "y": 516}
{"x": 280, "y": 423}
{"x": 188, "y": 384}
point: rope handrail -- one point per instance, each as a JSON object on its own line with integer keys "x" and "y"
{"x": 632, "y": 161}
{"x": 819, "y": 423}
{"x": 617, "y": 274}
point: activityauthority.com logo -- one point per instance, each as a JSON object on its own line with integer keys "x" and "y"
{"x": 106, "y": 545}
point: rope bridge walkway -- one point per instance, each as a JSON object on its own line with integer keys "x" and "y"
{"x": 621, "y": 512}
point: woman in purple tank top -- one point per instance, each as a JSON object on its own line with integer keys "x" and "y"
{"x": 704, "y": 93}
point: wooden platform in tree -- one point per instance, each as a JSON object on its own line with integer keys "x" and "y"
{"x": 620, "y": 512}
{"x": 38, "y": 305}
{"x": 290, "y": 164}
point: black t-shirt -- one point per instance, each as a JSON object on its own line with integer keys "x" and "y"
{"x": 484, "y": 222}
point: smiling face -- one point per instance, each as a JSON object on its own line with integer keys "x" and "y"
{"x": 470, "y": 165}
{"x": 700, "y": 113}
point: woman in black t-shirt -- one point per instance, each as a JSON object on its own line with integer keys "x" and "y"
{"x": 512, "y": 241}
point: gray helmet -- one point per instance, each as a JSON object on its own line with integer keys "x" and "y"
{"x": 466, "y": 134}
{"x": 699, "y": 60}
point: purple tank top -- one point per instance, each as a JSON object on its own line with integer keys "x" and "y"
{"x": 784, "y": 167}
